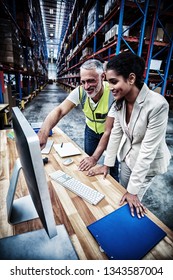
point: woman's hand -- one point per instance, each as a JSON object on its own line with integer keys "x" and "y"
{"x": 87, "y": 163}
{"x": 99, "y": 170}
{"x": 134, "y": 203}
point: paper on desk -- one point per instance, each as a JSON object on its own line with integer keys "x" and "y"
{"x": 67, "y": 149}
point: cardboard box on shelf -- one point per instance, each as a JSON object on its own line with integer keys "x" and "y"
{"x": 87, "y": 51}
{"x": 158, "y": 36}
{"x": 155, "y": 64}
{"x": 114, "y": 31}
{"x": 158, "y": 89}
{"x": 107, "y": 35}
{"x": 108, "y": 6}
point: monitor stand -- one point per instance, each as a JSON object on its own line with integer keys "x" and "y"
{"x": 17, "y": 211}
{"x": 34, "y": 245}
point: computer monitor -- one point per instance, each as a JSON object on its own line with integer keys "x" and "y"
{"x": 51, "y": 242}
{"x": 30, "y": 158}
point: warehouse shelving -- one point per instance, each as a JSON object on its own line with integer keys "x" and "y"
{"x": 138, "y": 23}
{"x": 96, "y": 29}
{"x": 162, "y": 51}
{"x": 23, "y": 52}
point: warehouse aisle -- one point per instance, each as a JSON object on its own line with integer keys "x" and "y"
{"x": 159, "y": 198}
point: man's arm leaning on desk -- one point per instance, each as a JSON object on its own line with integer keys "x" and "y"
{"x": 52, "y": 119}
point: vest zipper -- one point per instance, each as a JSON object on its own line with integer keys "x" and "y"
{"x": 94, "y": 121}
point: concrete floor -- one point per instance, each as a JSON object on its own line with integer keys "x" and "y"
{"x": 158, "y": 199}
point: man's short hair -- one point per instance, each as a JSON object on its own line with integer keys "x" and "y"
{"x": 93, "y": 64}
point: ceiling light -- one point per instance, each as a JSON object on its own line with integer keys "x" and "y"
{"x": 51, "y": 25}
{"x": 51, "y": 11}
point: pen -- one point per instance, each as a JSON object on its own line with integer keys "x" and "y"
{"x": 61, "y": 144}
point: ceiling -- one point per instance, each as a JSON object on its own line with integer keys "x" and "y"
{"x": 55, "y": 14}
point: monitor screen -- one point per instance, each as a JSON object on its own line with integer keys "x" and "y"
{"x": 29, "y": 152}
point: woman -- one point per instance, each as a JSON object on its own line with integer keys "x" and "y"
{"x": 138, "y": 135}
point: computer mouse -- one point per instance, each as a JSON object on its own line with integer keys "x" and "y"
{"x": 67, "y": 161}
{"x": 45, "y": 160}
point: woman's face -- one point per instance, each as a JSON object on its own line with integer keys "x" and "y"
{"x": 118, "y": 85}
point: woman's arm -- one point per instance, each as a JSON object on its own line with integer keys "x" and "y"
{"x": 154, "y": 135}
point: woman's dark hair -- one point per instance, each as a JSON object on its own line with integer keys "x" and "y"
{"x": 126, "y": 63}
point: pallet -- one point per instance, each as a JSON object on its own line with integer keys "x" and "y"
{"x": 114, "y": 38}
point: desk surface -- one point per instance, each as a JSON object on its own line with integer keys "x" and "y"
{"x": 3, "y": 106}
{"x": 69, "y": 209}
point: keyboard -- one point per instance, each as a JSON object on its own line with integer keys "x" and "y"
{"x": 87, "y": 193}
{"x": 48, "y": 147}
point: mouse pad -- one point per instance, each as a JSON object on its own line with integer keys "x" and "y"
{"x": 123, "y": 237}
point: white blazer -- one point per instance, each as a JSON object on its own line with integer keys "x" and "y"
{"x": 144, "y": 142}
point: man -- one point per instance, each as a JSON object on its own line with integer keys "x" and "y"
{"x": 95, "y": 98}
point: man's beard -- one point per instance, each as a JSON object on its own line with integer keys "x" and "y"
{"x": 95, "y": 92}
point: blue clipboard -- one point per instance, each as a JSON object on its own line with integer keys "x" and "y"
{"x": 123, "y": 237}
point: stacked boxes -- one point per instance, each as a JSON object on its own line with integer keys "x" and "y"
{"x": 162, "y": 35}
{"x": 108, "y": 6}
{"x": 114, "y": 31}
{"x": 10, "y": 48}
{"x": 155, "y": 64}
{"x": 158, "y": 36}
{"x": 91, "y": 21}
{"x": 86, "y": 52}
{"x": 24, "y": 24}
{"x": 84, "y": 35}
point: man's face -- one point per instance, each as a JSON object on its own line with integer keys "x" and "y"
{"x": 91, "y": 82}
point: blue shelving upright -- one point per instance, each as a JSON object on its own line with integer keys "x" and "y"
{"x": 154, "y": 52}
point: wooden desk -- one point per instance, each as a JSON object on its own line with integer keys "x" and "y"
{"x": 69, "y": 209}
{"x": 3, "y": 107}
{"x": 4, "y": 114}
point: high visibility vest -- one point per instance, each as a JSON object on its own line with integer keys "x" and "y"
{"x": 95, "y": 118}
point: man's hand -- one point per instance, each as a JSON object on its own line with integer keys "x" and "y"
{"x": 42, "y": 138}
{"x": 99, "y": 170}
{"x": 134, "y": 203}
{"x": 87, "y": 163}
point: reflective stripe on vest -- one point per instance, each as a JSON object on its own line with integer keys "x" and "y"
{"x": 95, "y": 119}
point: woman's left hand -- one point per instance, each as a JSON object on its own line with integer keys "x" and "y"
{"x": 134, "y": 203}
{"x": 103, "y": 169}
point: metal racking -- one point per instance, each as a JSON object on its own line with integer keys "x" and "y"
{"x": 23, "y": 52}
{"x": 143, "y": 27}
{"x": 96, "y": 29}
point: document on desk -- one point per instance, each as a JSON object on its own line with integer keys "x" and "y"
{"x": 66, "y": 149}
{"x": 123, "y": 237}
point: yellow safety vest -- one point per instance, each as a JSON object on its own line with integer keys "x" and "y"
{"x": 95, "y": 119}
